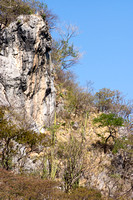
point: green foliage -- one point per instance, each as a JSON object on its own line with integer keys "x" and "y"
{"x": 10, "y": 134}
{"x": 119, "y": 144}
{"x": 43, "y": 16}
{"x": 50, "y": 164}
{"x": 111, "y": 121}
{"x": 125, "y": 143}
{"x": 64, "y": 54}
{"x": 53, "y": 169}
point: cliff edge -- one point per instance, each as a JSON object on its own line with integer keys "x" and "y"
{"x": 26, "y": 72}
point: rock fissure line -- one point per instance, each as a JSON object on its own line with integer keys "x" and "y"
{"x": 26, "y": 70}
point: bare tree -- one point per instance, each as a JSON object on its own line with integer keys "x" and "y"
{"x": 64, "y": 54}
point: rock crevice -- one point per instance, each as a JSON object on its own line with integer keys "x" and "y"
{"x": 26, "y": 80}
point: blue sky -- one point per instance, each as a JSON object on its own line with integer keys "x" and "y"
{"x": 105, "y": 38}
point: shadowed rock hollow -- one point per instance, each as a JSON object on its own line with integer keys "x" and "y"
{"x": 26, "y": 73}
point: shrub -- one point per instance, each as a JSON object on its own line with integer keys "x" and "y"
{"x": 74, "y": 159}
{"x": 18, "y": 187}
{"x": 84, "y": 193}
{"x": 12, "y": 134}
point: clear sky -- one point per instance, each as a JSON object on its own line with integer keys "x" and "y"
{"x": 105, "y": 38}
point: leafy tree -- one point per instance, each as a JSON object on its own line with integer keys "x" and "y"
{"x": 107, "y": 100}
{"x": 104, "y": 99}
{"x": 112, "y": 122}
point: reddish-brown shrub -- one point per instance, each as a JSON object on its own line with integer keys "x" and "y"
{"x": 16, "y": 187}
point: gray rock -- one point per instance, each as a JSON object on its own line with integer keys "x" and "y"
{"x": 26, "y": 71}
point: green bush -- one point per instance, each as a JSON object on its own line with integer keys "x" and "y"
{"x": 11, "y": 133}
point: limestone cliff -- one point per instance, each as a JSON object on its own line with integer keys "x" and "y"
{"x": 26, "y": 73}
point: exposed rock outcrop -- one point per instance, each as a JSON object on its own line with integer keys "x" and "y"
{"x": 26, "y": 73}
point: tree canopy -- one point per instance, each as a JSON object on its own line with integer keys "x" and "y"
{"x": 109, "y": 120}
{"x": 112, "y": 122}
{"x": 107, "y": 100}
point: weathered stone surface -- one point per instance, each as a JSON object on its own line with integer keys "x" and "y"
{"x": 26, "y": 80}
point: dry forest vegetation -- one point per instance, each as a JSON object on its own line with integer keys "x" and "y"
{"x": 87, "y": 129}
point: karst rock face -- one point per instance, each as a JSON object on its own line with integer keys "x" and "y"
{"x": 26, "y": 72}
